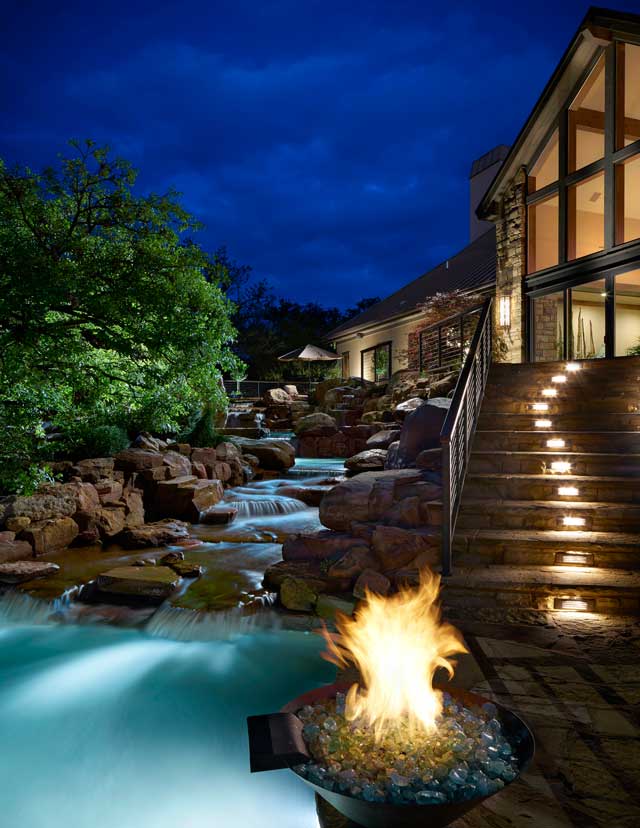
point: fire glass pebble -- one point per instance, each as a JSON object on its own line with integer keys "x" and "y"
{"x": 466, "y": 756}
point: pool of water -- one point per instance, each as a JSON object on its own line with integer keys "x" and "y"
{"x": 113, "y": 728}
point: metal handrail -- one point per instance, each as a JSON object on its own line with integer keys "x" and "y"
{"x": 459, "y": 427}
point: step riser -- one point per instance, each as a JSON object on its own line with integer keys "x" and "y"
{"x": 542, "y": 599}
{"x": 589, "y": 368}
{"x": 469, "y": 551}
{"x": 585, "y": 465}
{"x": 557, "y": 407}
{"x": 502, "y": 517}
{"x": 626, "y": 490}
{"x": 526, "y": 441}
{"x": 528, "y": 392}
{"x": 566, "y": 422}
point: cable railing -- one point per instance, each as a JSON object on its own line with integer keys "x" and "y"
{"x": 459, "y": 427}
{"x": 254, "y": 389}
{"x": 443, "y": 346}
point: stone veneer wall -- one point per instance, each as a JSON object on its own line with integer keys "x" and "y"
{"x": 548, "y": 326}
{"x": 511, "y": 265}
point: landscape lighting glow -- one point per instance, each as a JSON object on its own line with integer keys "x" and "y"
{"x": 575, "y": 604}
{"x": 568, "y": 491}
{"x": 540, "y": 406}
{"x": 562, "y": 466}
{"x": 555, "y": 442}
{"x": 574, "y": 558}
{"x": 571, "y": 520}
{"x": 549, "y": 392}
{"x": 559, "y": 378}
{"x": 542, "y": 423}
{"x": 572, "y": 366}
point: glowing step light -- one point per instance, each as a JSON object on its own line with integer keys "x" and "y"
{"x": 555, "y": 442}
{"x": 549, "y": 392}
{"x": 561, "y": 466}
{"x": 568, "y": 491}
{"x": 572, "y": 520}
{"x": 571, "y": 558}
{"x": 542, "y": 423}
{"x": 572, "y": 367}
{"x": 540, "y": 406}
{"x": 559, "y": 378}
{"x": 575, "y": 604}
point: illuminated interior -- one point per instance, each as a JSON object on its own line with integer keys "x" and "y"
{"x": 586, "y": 121}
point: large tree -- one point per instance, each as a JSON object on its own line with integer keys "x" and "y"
{"x": 107, "y": 308}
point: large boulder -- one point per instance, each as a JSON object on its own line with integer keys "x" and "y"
{"x": 177, "y": 464}
{"x": 318, "y": 546}
{"x": 49, "y": 502}
{"x": 311, "y": 495}
{"x": 20, "y": 571}
{"x": 160, "y": 533}
{"x": 363, "y": 498}
{"x": 355, "y": 561}
{"x": 276, "y": 396}
{"x": 383, "y": 439}
{"x": 373, "y": 582}
{"x": 420, "y": 431}
{"x": 110, "y": 521}
{"x": 50, "y": 535}
{"x": 186, "y": 497}
{"x": 146, "y": 584}
{"x": 407, "y": 407}
{"x": 368, "y": 460}
{"x": 274, "y": 455}
{"x": 320, "y": 391}
{"x": 95, "y": 468}
{"x": 14, "y": 550}
{"x": 443, "y": 387}
{"x": 136, "y": 460}
{"x": 318, "y": 424}
{"x": 395, "y": 547}
{"x": 309, "y": 571}
{"x": 298, "y": 594}
{"x": 227, "y": 451}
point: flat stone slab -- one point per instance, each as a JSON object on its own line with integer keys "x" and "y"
{"x": 149, "y": 583}
{"x": 19, "y": 571}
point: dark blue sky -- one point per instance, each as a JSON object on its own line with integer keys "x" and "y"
{"x": 326, "y": 144}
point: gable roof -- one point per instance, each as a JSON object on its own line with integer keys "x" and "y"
{"x": 597, "y": 29}
{"x": 473, "y": 268}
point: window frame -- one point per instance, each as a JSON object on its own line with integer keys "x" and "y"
{"x": 378, "y": 347}
{"x": 609, "y": 164}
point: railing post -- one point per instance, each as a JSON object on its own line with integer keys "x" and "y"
{"x": 446, "y": 508}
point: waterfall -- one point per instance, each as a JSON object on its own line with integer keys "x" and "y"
{"x": 189, "y": 625}
{"x": 259, "y": 505}
{"x": 18, "y": 608}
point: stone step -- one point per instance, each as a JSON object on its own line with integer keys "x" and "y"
{"x": 473, "y": 547}
{"x": 540, "y": 462}
{"x": 548, "y": 514}
{"x": 585, "y": 421}
{"x": 536, "y": 440}
{"x": 614, "y": 592}
{"x": 562, "y": 404}
{"x": 595, "y": 489}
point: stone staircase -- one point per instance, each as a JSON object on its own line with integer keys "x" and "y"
{"x": 544, "y": 524}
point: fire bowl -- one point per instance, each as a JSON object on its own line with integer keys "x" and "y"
{"x": 387, "y": 815}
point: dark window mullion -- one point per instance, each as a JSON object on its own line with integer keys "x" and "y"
{"x": 563, "y": 161}
{"x": 610, "y": 114}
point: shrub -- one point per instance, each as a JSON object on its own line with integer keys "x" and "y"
{"x": 95, "y": 440}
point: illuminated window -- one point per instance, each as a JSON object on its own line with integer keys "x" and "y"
{"x": 543, "y": 234}
{"x": 628, "y": 95}
{"x": 628, "y": 313}
{"x": 628, "y": 200}
{"x": 545, "y": 170}
{"x": 586, "y": 121}
{"x": 586, "y": 217}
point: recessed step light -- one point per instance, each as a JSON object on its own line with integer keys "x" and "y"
{"x": 559, "y": 378}
{"x": 568, "y": 491}
{"x": 572, "y": 520}
{"x": 572, "y": 366}
{"x": 571, "y": 558}
{"x": 561, "y": 466}
{"x": 543, "y": 423}
{"x": 549, "y": 392}
{"x": 575, "y": 604}
{"x": 540, "y": 406}
{"x": 555, "y": 442}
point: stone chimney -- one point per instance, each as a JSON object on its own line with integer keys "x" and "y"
{"x": 482, "y": 174}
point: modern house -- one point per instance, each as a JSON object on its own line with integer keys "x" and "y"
{"x": 377, "y": 342}
{"x": 566, "y": 205}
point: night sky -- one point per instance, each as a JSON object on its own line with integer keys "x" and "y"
{"x": 325, "y": 144}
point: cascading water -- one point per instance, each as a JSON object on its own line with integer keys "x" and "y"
{"x": 250, "y": 504}
{"x": 116, "y": 729}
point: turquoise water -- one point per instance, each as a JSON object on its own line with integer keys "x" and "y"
{"x": 106, "y": 728}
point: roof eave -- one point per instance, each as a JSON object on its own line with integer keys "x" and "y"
{"x": 598, "y": 27}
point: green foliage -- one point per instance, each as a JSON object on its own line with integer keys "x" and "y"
{"x": 107, "y": 313}
{"x": 85, "y": 439}
{"x": 634, "y": 350}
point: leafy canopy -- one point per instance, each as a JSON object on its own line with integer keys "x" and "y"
{"x": 107, "y": 309}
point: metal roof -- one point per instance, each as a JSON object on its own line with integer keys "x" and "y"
{"x": 473, "y": 268}
{"x": 490, "y": 158}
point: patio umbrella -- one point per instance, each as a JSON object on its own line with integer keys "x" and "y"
{"x": 310, "y": 353}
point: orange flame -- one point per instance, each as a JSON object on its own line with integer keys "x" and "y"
{"x": 397, "y": 643}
